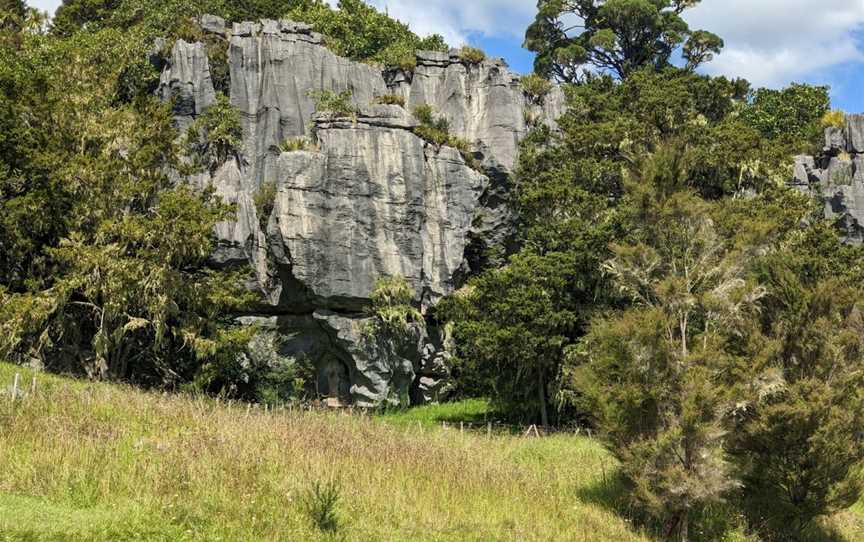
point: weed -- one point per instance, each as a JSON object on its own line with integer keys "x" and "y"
{"x": 320, "y": 503}
{"x": 390, "y": 99}
{"x": 535, "y": 88}
{"x": 471, "y": 55}
{"x": 334, "y": 104}
{"x": 294, "y": 144}
{"x": 834, "y": 119}
{"x": 436, "y": 130}
{"x": 265, "y": 201}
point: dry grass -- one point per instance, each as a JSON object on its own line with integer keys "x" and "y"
{"x": 98, "y": 462}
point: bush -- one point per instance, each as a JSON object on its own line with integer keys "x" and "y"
{"x": 215, "y": 135}
{"x": 393, "y": 306}
{"x": 390, "y": 99}
{"x": 535, "y": 87}
{"x": 471, "y": 55}
{"x": 265, "y": 201}
{"x": 294, "y": 144}
{"x": 333, "y": 104}
{"x": 437, "y": 131}
{"x": 320, "y": 503}
{"x": 834, "y": 119}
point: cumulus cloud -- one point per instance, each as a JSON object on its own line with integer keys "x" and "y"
{"x": 769, "y": 42}
{"x": 455, "y": 19}
{"x": 774, "y": 42}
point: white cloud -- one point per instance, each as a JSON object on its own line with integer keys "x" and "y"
{"x": 769, "y": 42}
{"x": 454, "y": 19}
{"x": 774, "y": 42}
{"x": 44, "y": 5}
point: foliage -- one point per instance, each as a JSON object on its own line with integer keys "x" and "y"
{"x": 390, "y": 99}
{"x": 471, "y": 55}
{"x": 250, "y": 367}
{"x": 104, "y": 269}
{"x": 535, "y": 87}
{"x": 797, "y": 436}
{"x": 436, "y": 130}
{"x": 793, "y": 114}
{"x": 392, "y": 306}
{"x": 615, "y": 36}
{"x": 833, "y": 119}
{"x": 320, "y": 505}
{"x": 334, "y": 104}
{"x": 653, "y": 373}
{"x": 265, "y": 202}
{"x": 358, "y": 31}
{"x": 215, "y": 135}
{"x": 294, "y": 144}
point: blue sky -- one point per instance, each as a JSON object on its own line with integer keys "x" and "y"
{"x": 770, "y": 42}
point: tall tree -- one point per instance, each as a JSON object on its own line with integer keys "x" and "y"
{"x": 615, "y": 36}
{"x": 654, "y": 371}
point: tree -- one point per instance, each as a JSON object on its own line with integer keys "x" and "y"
{"x": 797, "y": 436}
{"x": 12, "y": 15}
{"x": 655, "y": 372}
{"x": 614, "y": 36}
{"x": 513, "y": 324}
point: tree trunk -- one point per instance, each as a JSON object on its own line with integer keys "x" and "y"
{"x": 684, "y": 527}
{"x": 541, "y": 395}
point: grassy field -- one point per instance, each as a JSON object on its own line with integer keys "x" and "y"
{"x": 83, "y": 461}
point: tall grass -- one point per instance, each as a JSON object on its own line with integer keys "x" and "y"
{"x": 83, "y": 461}
{"x": 98, "y": 462}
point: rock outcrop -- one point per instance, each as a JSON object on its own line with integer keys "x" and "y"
{"x": 366, "y": 198}
{"x": 837, "y": 176}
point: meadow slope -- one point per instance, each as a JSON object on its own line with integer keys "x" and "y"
{"x": 85, "y": 461}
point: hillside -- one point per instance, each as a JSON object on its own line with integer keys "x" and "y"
{"x": 101, "y": 462}
{"x": 104, "y": 462}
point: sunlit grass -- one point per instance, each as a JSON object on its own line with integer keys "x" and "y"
{"x": 85, "y": 461}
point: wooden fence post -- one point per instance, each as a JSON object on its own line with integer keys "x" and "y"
{"x": 15, "y": 386}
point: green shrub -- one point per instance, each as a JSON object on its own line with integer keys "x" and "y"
{"x": 834, "y": 119}
{"x": 471, "y": 55}
{"x": 390, "y": 99}
{"x": 265, "y": 201}
{"x": 436, "y": 130}
{"x": 293, "y": 144}
{"x": 334, "y": 104}
{"x": 215, "y": 135}
{"x": 393, "y": 307}
{"x": 535, "y": 87}
{"x": 320, "y": 503}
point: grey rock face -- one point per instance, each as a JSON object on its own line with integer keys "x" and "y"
{"x": 367, "y": 198}
{"x": 837, "y": 176}
{"x": 186, "y": 79}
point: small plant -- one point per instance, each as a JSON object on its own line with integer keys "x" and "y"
{"x": 294, "y": 144}
{"x": 471, "y": 55}
{"x": 436, "y": 130}
{"x": 320, "y": 503}
{"x": 834, "y": 119}
{"x": 215, "y": 135}
{"x": 390, "y": 99}
{"x": 265, "y": 201}
{"x": 399, "y": 55}
{"x": 334, "y": 104}
{"x": 392, "y": 305}
{"x": 535, "y": 88}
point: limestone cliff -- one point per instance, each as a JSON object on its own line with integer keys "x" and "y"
{"x": 837, "y": 176}
{"x": 369, "y": 199}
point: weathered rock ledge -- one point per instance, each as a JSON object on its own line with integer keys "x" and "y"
{"x": 367, "y": 199}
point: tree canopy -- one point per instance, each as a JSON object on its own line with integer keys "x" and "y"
{"x": 620, "y": 37}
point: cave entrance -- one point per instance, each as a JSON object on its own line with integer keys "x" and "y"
{"x": 334, "y": 384}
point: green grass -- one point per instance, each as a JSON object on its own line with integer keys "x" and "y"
{"x": 473, "y": 411}
{"x": 93, "y": 462}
